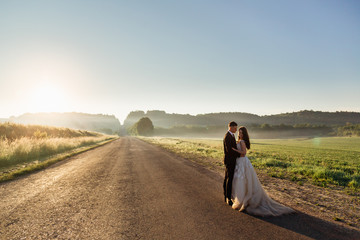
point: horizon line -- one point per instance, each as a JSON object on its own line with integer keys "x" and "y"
{"x": 155, "y": 110}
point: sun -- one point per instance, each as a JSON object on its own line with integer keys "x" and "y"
{"x": 47, "y": 97}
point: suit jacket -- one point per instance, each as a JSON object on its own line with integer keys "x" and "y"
{"x": 230, "y": 154}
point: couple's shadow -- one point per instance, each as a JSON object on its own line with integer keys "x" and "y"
{"x": 310, "y": 226}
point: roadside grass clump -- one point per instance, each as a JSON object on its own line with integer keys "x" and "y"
{"x": 331, "y": 161}
{"x": 355, "y": 182}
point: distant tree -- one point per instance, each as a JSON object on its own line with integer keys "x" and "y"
{"x": 156, "y": 113}
{"x": 284, "y": 127}
{"x": 105, "y": 130}
{"x": 133, "y": 117}
{"x": 349, "y": 130}
{"x": 265, "y": 126}
{"x": 143, "y": 127}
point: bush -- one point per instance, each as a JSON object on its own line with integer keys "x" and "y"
{"x": 338, "y": 177}
{"x": 143, "y": 127}
{"x": 333, "y": 176}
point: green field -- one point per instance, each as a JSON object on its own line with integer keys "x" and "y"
{"x": 333, "y": 161}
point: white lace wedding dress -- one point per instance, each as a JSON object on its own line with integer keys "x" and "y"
{"x": 248, "y": 193}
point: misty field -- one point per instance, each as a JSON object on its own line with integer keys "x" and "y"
{"x": 333, "y": 161}
{"x": 21, "y": 145}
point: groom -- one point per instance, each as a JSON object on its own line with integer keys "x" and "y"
{"x": 229, "y": 160}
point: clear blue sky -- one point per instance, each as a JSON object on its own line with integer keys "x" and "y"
{"x": 112, "y": 57}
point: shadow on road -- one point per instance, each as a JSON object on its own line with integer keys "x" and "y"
{"x": 311, "y": 226}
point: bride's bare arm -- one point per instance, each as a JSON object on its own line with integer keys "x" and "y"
{"x": 242, "y": 152}
{"x": 243, "y": 146}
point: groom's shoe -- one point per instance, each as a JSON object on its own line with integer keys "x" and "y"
{"x": 229, "y": 202}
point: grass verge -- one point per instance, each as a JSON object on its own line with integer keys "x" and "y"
{"x": 38, "y": 165}
{"x": 325, "y": 162}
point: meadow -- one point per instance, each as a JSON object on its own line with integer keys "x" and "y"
{"x": 326, "y": 162}
{"x": 35, "y": 147}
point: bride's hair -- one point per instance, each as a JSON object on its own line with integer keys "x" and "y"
{"x": 245, "y": 136}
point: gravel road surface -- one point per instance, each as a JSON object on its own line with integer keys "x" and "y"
{"x": 129, "y": 189}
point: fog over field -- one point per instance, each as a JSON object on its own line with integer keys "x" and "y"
{"x": 211, "y": 125}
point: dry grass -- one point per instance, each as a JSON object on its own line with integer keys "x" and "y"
{"x": 29, "y": 167}
{"x": 27, "y": 149}
{"x": 13, "y": 131}
{"x": 23, "y": 145}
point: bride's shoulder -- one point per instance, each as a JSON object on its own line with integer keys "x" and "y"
{"x": 239, "y": 142}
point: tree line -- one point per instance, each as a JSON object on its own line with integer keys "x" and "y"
{"x": 145, "y": 127}
{"x": 166, "y": 120}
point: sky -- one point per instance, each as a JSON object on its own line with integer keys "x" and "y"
{"x": 190, "y": 56}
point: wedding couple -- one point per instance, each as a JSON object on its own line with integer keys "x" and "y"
{"x": 242, "y": 188}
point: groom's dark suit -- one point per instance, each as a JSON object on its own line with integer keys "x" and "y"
{"x": 230, "y": 162}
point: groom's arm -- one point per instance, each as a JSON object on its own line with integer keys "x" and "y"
{"x": 236, "y": 153}
{"x": 229, "y": 144}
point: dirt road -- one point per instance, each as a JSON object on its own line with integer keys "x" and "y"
{"x": 129, "y": 189}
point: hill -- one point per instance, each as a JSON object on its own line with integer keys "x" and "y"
{"x": 108, "y": 124}
{"x": 166, "y": 120}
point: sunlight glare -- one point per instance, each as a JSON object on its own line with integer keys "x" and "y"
{"x": 316, "y": 141}
{"x": 47, "y": 98}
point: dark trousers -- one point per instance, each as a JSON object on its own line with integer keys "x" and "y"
{"x": 229, "y": 175}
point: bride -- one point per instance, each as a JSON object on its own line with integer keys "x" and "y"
{"x": 247, "y": 192}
